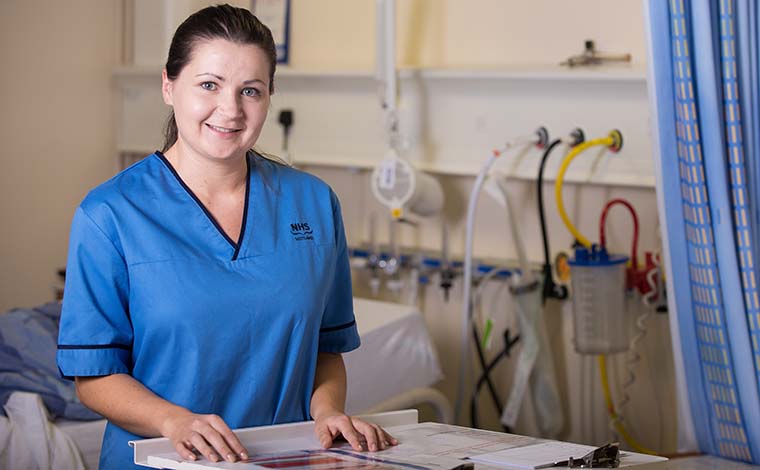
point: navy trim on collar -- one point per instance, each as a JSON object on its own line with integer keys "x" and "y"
{"x": 245, "y": 206}
{"x": 235, "y": 246}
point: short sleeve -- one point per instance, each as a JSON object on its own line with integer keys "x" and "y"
{"x": 338, "y": 332}
{"x": 95, "y": 335}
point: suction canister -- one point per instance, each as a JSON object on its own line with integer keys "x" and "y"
{"x": 598, "y": 283}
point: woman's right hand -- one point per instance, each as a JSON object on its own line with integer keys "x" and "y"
{"x": 208, "y": 434}
{"x": 114, "y": 396}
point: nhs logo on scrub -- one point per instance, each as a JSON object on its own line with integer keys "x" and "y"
{"x": 301, "y": 231}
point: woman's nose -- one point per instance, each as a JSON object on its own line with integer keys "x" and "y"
{"x": 230, "y": 104}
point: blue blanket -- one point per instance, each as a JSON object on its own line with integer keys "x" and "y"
{"x": 28, "y": 343}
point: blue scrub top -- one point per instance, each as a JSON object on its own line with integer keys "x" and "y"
{"x": 156, "y": 289}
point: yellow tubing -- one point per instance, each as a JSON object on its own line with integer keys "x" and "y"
{"x": 613, "y": 140}
{"x": 613, "y": 415}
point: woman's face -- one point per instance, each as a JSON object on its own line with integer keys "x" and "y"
{"x": 220, "y": 99}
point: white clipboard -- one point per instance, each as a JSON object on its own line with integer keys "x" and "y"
{"x": 277, "y": 438}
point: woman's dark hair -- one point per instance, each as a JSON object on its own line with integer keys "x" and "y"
{"x": 233, "y": 24}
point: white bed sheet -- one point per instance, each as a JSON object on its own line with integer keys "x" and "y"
{"x": 88, "y": 436}
{"x": 28, "y": 440}
{"x": 396, "y": 356}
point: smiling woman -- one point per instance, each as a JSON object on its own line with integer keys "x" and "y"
{"x": 179, "y": 316}
{"x": 220, "y": 100}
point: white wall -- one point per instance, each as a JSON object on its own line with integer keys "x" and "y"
{"x": 340, "y": 33}
{"x": 57, "y": 131}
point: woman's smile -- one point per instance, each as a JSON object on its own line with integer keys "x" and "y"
{"x": 222, "y": 130}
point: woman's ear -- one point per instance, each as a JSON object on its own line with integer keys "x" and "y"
{"x": 166, "y": 88}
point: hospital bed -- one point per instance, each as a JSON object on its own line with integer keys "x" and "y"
{"x": 396, "y": 365}
{"x": 394, "y": 368}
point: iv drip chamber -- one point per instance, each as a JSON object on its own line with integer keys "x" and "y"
{"x": 598, "y": 294}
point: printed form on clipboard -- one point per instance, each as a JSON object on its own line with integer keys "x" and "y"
{"x": 308, "y": 459}
{"x": 294, "y": 447}
{"x": 422, "y": 446}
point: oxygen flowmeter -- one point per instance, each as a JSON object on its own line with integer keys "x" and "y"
{"x": 598, "y": 283}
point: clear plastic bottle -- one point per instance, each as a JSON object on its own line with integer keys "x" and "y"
{"x": 598, "y": 283}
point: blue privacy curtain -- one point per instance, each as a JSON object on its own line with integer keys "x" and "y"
{"x": 704, "y": 87}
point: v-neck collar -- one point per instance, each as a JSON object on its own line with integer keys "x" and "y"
{"x": 235, "y": 245}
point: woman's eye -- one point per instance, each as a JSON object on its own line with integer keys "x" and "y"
{"x": 250, "y": 92}
{"x": 211, "y": 86}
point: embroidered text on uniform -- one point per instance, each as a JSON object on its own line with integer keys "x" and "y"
{"x": 301, "y": 231}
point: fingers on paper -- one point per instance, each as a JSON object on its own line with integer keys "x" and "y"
{"x": 377, "y": 438}
{"x": 360, "y": 434}
{"x": 202, "y": 445}
{"x": 210, "y": 436}
{"x": 350, "y": 434}
{"x": 373, "y": 435}
{"x": 390, "y": 439}
{"x": 185, "y": 450}
{"x": 228, "y": 443}
{"x": 325, "y": 436}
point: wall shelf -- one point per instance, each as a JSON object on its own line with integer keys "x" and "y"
{"x": 452, "y": 117}
{"x": 624, "y": 72}
{"x": 635, "y": 73}
{"x": 465, "y": 169}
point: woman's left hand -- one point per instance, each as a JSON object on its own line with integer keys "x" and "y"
{"x": 360, "y": 434}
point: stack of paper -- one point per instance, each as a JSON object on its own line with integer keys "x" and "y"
{"x": 534, "y": 456}
{"x": 545, "y": 454}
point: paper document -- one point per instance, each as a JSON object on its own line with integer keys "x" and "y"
{"x": 314, "y": 460}
{"x": 421, "y": 446}
{"x": 446, "y": 440}
{"x": 534, "y": 456}
{"x": 425, "y": 446}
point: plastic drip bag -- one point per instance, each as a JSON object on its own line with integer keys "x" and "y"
{"x": 535, "y": 365}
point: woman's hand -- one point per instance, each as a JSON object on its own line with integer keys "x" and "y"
{"x": 208, "y": 434}
{"x": 360, "y": 434}
{"x": 327, "y": 404}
